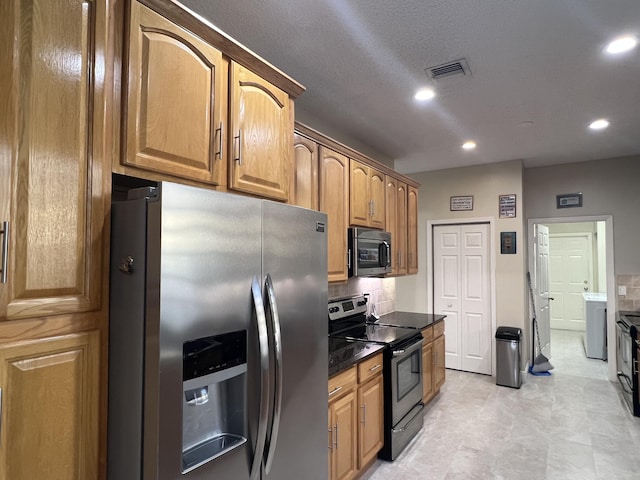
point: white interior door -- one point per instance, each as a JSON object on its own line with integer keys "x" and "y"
{"x": 541, "y": 287}
{"x": 462, "y": 281}
{"x": 570, "y": 274}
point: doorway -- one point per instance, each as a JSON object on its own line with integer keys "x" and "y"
{"x": 462, "y": 291}
{"x": 580, "y": 261}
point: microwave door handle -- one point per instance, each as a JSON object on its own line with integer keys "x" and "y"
{"x": 383, "y": 254}
{"x": 277, "y": 394}
{"x": 263, "y": 344}
{"x": 388, "y": 259}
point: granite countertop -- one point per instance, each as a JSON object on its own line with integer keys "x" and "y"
{"x": 345, "y": 353}
{"x": 419, "y": 321}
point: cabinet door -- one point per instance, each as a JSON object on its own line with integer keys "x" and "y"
{"x": 262, "y": 136}
{"x": 428, "y": 360}
{"x": 344, "y": 431}
{"x": 371, "y": 431}
{"x": 53, "y": 146}
{"x": 366, "y": 196}
{"x": 412, "y": 230}
{"x": 359, "y": 201}
{"x": 334, "y": 193}
{"x": 304, "y": 185}
{"x": 402, "y": 228}
{"x": 376, "y": 195}
{"x": 439, "y": 369}
{"x": 175, "y": 100}
{"x": 391, "y": 215}
{"x": 50, "y": 408}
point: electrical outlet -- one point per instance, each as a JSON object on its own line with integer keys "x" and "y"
{"x": 622, "y": 290}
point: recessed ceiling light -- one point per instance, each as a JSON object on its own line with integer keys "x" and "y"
{"x": 599, "y": 124}
{"x": 424, "y": 94}
{"x": 469, "y": 145}
{"x": 621, "y": 45}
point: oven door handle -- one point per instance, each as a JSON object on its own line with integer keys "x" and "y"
{"x": 410, "y": 421}
{"x": 626, "y": 380}
{"x": 623, "y": 327}
{"x": 417, "y": 345}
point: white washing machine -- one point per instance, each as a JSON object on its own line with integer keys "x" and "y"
{"x": 596, "y": 316}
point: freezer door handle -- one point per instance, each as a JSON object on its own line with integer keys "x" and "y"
{"x": 263, "y": 344}
{"x": 277, "y": 393}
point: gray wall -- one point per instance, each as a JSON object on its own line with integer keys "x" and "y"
{"x": 485, "y": 183}
{"x": 609, "y": 187}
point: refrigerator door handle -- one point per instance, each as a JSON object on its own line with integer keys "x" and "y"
{"x": 277, "y": 394}
{"x": 263, "y": 343}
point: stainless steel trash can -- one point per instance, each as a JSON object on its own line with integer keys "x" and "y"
{"x": 508, "y": 350}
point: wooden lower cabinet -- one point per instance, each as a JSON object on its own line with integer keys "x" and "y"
{"x": 427, "y": 372}
{"x": 438, "y": 367}
{"x": 49, "y": 410}
{"x": 433, "y": 370}
{"x": 370, "y": 427}
{"x": 343, "y": 463}
{"x": 356, "y": 406}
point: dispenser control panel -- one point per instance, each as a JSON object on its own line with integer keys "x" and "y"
{"x": 213, "y": 354}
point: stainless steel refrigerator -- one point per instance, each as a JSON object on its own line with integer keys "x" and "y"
{"x": 218, "y": 338}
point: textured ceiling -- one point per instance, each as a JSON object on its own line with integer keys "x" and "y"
{"x": 539, "y": 76}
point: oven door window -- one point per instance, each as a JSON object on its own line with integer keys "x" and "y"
{"x": 408, "y": 373}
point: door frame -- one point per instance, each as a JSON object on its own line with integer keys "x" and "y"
{"x": 492, "y": 267}
{"x": 611, "y": 278}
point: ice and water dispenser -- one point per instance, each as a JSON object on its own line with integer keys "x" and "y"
{"x": 214, "y": 397}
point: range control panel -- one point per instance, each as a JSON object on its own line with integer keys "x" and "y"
{"x": 345, "y": 307}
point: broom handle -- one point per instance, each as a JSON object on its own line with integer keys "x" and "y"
{"x": 535, "y": 321}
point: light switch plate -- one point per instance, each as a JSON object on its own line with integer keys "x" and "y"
{"x": 622, "y": 290}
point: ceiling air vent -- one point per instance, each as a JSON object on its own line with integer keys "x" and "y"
{"x": 458, "y": 67}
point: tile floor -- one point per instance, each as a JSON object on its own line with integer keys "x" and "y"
{"x": 571, "y": 425}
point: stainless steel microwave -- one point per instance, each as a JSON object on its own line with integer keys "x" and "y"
{"x": 369, "y": 252}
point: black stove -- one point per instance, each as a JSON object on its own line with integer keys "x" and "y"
{"x": 348, "y": 321}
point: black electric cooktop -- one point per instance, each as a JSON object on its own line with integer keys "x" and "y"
{"x": 348, "y": 321}
{"x": 381, "y": 334}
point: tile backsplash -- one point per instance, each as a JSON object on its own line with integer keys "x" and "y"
{"x": 382, "y": 291}
{"x": 630, "y": 301}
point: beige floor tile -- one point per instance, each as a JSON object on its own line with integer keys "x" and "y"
{"x": 572, "y": 424}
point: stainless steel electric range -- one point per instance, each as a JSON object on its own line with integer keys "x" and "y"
{"x": 627, "y": 346}
{"x": 403, "y": 407}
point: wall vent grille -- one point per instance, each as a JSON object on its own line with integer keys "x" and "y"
{"x": 457, "y": 67}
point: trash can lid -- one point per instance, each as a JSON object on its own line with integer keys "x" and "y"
{"x": 509, "y": 333}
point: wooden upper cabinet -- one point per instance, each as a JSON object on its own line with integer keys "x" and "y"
{"x": 304, "y": 178}
{"x": 334, "y": 190}
{"x": 402, "y": 228}
{"x": 377, "y": 199}
{"x": 52, "y": 136}
{"x": 176, "y": 101}
{"x": 50, "y": 408}
{"x": 390, "y": 192}
{"x": 412, "y": 230}
{"x": 396, "y": 223}
{"x": 261, "y": 134}
{"x": 367, "y": 193}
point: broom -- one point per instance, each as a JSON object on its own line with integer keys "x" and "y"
{"x": 541, "y": 364}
